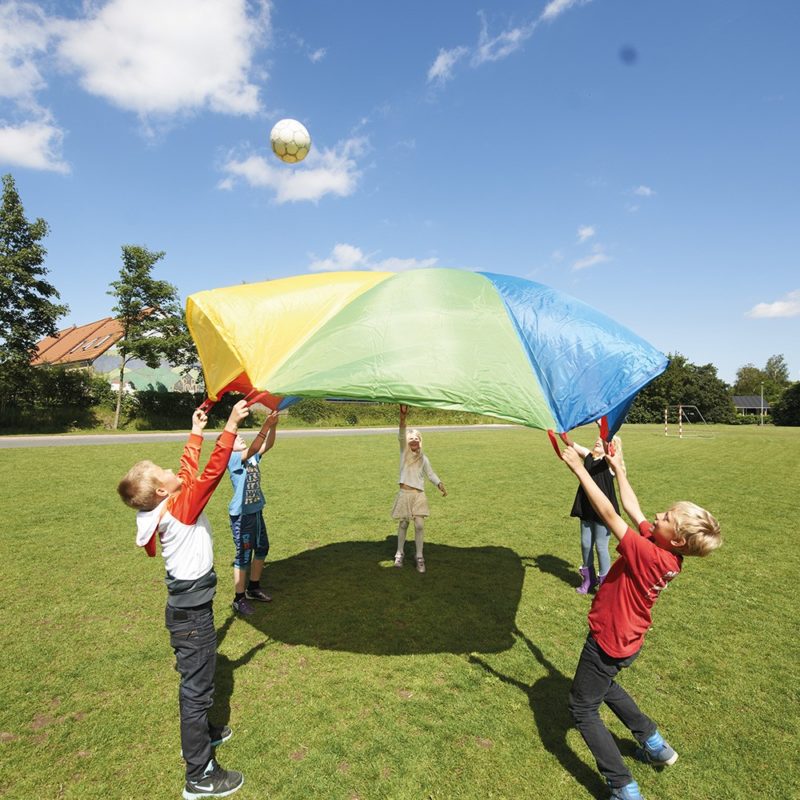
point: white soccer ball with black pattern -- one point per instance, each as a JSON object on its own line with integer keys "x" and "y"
{"x": 290, "y": 140}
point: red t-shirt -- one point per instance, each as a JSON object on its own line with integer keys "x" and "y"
{"x": 620, "y": 613}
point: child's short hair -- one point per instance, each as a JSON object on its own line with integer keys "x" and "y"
{"x": 697, "y": 526}
{"x": 138, "y": 488}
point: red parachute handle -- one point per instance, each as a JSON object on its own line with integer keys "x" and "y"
{"x": 251, "y": 398}
{"x": 608, "y": 446}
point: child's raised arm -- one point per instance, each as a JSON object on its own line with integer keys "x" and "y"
{"x": 199, "y": 421}
{"x": 265, "y": 438}
{"x": 600, "y": 503}
{"x": 626, "y": 494}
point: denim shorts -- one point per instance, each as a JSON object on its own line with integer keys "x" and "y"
{"x": 249, "y": 538}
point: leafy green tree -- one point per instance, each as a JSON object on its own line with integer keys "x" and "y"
{"x": 150, "y": 313}
{"x": 787, "y": 410}
{"x": 28, "y": 311}
{"x": 774, "y": 378}
{"x": 684, "y": 383}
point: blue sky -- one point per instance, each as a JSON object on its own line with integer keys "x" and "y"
{"x": 641, "y": 156}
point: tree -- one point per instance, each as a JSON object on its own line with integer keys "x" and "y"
{"x": 684, "y": 383}
{"x": 28, "y": 312}
{"x": 774, "y": 378}
{"x": 150, "y": 314}
{"x": 787, "y": 410}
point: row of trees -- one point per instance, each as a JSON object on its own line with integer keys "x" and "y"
{"x": 154, "y": 329}
{"x": 149, "y": 311}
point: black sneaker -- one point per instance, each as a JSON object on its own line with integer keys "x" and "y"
{"x": 216, "y": 782}
{"x": 258, "y": 594}
{"x": 219, "y": 734}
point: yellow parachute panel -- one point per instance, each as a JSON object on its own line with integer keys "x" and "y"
{"x": 252, "y": 328}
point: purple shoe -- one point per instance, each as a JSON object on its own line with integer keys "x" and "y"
{"x": 586, "y": 580}
{"x": 242, "y": 607}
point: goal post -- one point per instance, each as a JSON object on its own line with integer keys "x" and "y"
{"x": 682, "y": 413}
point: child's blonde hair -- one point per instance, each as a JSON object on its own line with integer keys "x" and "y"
{"x": 138, "y": 488}
{"x": 697, "y": 526}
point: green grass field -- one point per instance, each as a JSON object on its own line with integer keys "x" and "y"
{"x": 364, "y": 681}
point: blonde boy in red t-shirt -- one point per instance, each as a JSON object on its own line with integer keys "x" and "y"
{"x": 620, "y": 617}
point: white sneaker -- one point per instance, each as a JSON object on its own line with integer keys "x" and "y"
{"x": 398, "y": 560}
{"x": 420, "y": 564}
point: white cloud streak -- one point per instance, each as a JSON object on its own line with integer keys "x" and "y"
{"x": 441, "y": 70}
{"x": 598, "y": 256}
{"x": 349, "y": 257}
{"x": 494, "y": 48}
{"x": 586, "y": 232}
{"x": 644, "y": 191}
{"x": 555, "y": 8}
{"x": 789, "y": 306}
{"x": 331, "y": 171}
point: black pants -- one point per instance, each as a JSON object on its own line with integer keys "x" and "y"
{"x": 594, "y": 684}
{"x": 194, "y": 640}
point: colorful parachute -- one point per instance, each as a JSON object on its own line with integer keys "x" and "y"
{"x": 438, "y": 338}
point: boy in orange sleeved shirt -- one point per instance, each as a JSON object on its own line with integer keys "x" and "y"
{"x": 171, "y": 509}
{"x": 620, "y": 617}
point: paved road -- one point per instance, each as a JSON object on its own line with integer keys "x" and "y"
{"x": 64, "y": 440}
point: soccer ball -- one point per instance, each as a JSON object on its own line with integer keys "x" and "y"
{"x": 290, "y": 141}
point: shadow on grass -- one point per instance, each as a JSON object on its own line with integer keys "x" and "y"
{"x": 548, "y": 698}
{"x": 224, "y": 675}
{"x": 347, "y": 596}
{"x": 555, "y": 566}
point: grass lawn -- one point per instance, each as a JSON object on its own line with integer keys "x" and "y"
{"x": 364, "y": 681}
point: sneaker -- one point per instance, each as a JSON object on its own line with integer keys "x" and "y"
{"x": 258, "y": 594}
{"x": 656, "y": 751}
{"x": 420, "y": 564}
{"x": 242, "y": 607}
{"x": 398, "y": 560}
{"x": 628, "y": 792}
{"x": 216, "y": 782}
{"x": 219, "y": 734}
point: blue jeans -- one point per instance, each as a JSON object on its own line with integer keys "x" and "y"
{"x": 194, "y": 641}
{"x": 594, "y": 684}
{"x": 595, "y": 535}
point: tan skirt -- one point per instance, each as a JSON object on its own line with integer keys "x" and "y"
{"x": 409, "y": 504}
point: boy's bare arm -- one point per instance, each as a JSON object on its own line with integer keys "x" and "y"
{"x": 626, "y": 494}
{"x": 265, "y": 438}
{"x": 600, "y": 503}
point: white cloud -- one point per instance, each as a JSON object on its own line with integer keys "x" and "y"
{"x": 333, "y": 171}
{"x": 555, "y": 8}
{"x": 168, "y": 56}
{"x": 24, "y": 38}
{"x": 441, "y": 70}
{"x": 598, "y": 256}
{"x": 789, "y": 306}
{"x": 349, "y": 257}
{"x": 317, "y": 55}
{"x": 586, "y": 232}
{"x": 644, "y": 191}
{"x": 502, "y": 45}
{"x": 494, "y": 48}
{"x": 35, "y": 145}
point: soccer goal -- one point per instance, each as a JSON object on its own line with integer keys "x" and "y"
{"x": 690, "y": 416}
